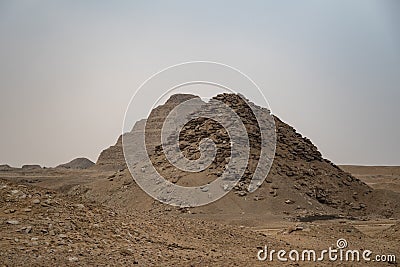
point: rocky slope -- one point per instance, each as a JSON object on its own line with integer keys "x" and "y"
{"x": 300, "y": 183}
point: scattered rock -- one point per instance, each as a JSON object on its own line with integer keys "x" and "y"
{"x": 80, "y": 206}
{"x": 73, "y": 259}
{"x": 292, "y": 229}
{"x": 7, "y": 211}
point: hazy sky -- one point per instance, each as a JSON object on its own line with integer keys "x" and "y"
{"x": 68, "y": 69}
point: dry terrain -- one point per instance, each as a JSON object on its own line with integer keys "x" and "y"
{"x": 81, "y": 213}
{"x": 61, "y": 226}
{"x": 378, "y": 177}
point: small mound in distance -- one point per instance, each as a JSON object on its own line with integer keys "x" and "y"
{"x": 78, "y": 163}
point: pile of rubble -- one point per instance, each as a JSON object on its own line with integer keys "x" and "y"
{"x": 299, "y": 174}
{"x": 297, "y": 165}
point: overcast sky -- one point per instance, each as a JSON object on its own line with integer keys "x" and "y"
{"x": 68, "y": 69}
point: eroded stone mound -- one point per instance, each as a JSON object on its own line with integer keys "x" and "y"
{"x": 298, "y": 165}
{"x": 78, "y": 163}
{"x": 300, "y": 180}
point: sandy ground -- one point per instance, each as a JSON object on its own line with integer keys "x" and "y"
{"x": 48, "y": 219}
